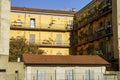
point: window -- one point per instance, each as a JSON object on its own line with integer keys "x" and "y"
{"x": 109, "y": 2}
{"x": 89, "y": 75}
{"x": 101, "y": 24}
{"x": 32, "y": 23}
{"x": 2, "y": 70}
{"x": 41, "y": 75}
{"x": 101, "y": 5}
{"x": 32, "y": 38}
{"x": 102, "y": 46}
{"x": 69, "y": 74}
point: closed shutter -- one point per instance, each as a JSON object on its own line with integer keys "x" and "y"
{"x": 32, "y": 39}
{"x": 59, "y": 39}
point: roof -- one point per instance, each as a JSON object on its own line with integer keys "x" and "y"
{"x": 87, "y": 6}
{"x": 32, "y": 59}
{"x": 42, "y": 10}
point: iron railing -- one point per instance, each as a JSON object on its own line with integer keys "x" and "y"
{"x": 64, "y": 27}
{"x": 47, "y": 43}
{"x": 92, "y": 17}
{"x": 96, "y": 36}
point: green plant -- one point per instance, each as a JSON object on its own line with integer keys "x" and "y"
{"x": 98, "y": 52}
{"x": 89, "y": 50}
{"x": 19, "y": 46}
{"x": 99, "y": 29}
{"x": 51, "y": 40}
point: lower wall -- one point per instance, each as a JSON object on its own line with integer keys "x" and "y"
{"x": 66, "y": 72}
{"x": 11, "y": 70}
{"x": 3, "y": 61}
{"x": 15, "y": 71}
{"x": 112, "y": 75}
{"x": 3, "y": 65}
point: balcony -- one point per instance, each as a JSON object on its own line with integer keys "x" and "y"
{"x": 42, "y": 27}
{"x": 102, "y": 11}
{"x": 50, "y": 44}
{"x": 96, "y": 36}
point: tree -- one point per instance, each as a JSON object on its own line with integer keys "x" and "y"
{"x": 19, "y": 46}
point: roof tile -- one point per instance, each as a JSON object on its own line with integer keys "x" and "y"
{"x": 42, "y": 10}
{"x": 67, "y": 59}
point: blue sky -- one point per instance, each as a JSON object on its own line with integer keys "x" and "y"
{"x": 51, "y": 4}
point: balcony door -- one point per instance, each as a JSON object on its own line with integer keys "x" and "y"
{"x": 59, "y": 39}
{"x": 32, "y": 23}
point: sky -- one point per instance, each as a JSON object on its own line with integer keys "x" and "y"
{"x": 51, "y": 4}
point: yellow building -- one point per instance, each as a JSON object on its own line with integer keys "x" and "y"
{"x": 49, "y": 29}
{"x": 93, "y": 31}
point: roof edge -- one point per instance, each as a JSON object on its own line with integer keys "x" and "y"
{"x": 41, "y": 10}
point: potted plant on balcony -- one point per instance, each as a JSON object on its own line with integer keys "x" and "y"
{"x": 97, "y": 51}
{"x": 52, "y": 41}
{"x": 46, "y": 42}
{"x": 75, "y": 21}
{"x": 82, "y": 17}
{"x": 80, "y": 52}
{"x": 85, "y": 17}
{"x": 80, "y": 38}
{"x": 101, "y": 5}
{"x": 52, "y": 22}
{"x": 89, "y": 50}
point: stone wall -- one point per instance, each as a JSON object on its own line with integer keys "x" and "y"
{"x": 15, "y": 71}
{"x": 4, "y": 26}
{"x": 112, "y": 75}
{"x": 116, "y": 28}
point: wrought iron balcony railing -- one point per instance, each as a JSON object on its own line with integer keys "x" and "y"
{"x": 50, "y": 43}
{"x": 96, "y": 36}
{"x": 99, "y": 13}
{"x": 47, "y": 43}
{"x": 62, "y": 27}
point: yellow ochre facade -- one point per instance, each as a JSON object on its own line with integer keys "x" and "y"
{"x": 49, "y": 29}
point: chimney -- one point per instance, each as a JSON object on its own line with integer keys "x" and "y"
{"x": 73, "y": 10}
{"x": 18, "y": 59}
